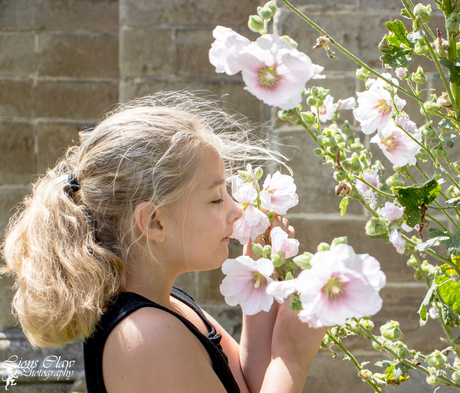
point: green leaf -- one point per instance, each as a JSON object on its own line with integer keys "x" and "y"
{"x": 422, "y": 312}
{"x": 412, "y": 197}
{"x": 454, "y": 69}
{"x": 384, "y": 236}
{"x": 436, "y": 241}
{"x": 428, "y": 298}
{"x": 402, "y": 58}
{"x": 454, "y": 201}
{"x": 448, "y": 292}
{"x": 384, "y": 363}
{"x": 399, "y": 30}
{"x": 405, "y": 14}
{"x": 451, "y": 241}
{"x": 401, "y": 371}
{"x": 343, "y": 206}
{"x": 448, "y": 140}
{"x": 415, "y": 36}
{"x": 437, "y": 75}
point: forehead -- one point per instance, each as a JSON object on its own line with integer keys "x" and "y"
{"x": 212, "y": 168}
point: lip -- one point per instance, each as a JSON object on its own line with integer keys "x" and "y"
{"x": 226, "y": 239}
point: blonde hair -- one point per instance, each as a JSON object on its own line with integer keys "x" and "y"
{"x": 68, "y": 248}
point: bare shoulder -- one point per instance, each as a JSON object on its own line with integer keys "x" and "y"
{"x": 153, "y": 351}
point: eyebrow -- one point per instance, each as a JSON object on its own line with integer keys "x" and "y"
{"x": 217, "y": 183}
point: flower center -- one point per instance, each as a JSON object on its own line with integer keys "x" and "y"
{"x": 258, "y": 279}
{"x": 389, "y": 142}
{"x": 334, "y": 288}
{"x": 268, "y": 77}
{"x": 323, "y": 110}
{"x": 383, "y": 107}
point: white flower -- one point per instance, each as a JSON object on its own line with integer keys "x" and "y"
{"x": 408, "y": 125}
{"x": 275, "y": 72}
{"x": 340, "y": 285}
{"x": 327, "y": 110}
{"x": 243, "y": 192}
{"x": 396, "y": 145}
{"x": 246, "y": 282}
{"x": 279, "y": 193}
{"x": 397, "y": 240}
{"x": 391, "y": 212}
{"x": 224, "y": 49}
{"x": 372, "y": 177}
{"x": 433, "y": 313}
{"x": 347, "y": 104}
{"x": 282, "y": 243}
{"x": 280, "y": 290}
{"x": 250, "y": 225}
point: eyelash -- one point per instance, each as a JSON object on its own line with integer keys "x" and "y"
{"x": 218, "y": 201}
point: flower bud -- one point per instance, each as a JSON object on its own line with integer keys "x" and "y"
{"x": 288, "y": 40}
{"x": 246, "y": 176}
{"x": 394, "y": 181}
{"x": 439, "y": 151}
{"x": 362, "y": 73}
{"x": 327, "y": 140}
{"x": 450, "y": 192}
{"x": 303, "y": 261}
{"x": 440, "y": 47}
{"x": 453, "y": 21}
{"x": 353, "y": 164}
{"x": 444, "y": 100}
{"x": 376, "y": 226}
{"x": 255, "y": 23}
{"x": 267, "y": 250}
{"x": 333, "y": 150}
{"x": 456, "y": 166}
{"x": 431, "y": 380}
{"x": 376, "y": 346}
{"x": 339, "y": 240}
{"x": 346, "y": 128}
{"x": 314, "y": 91}
{"x": 422, "y": 13}
{"x": 436, "y": 359}
{"x": 258, "y": 173}
{"x": 278, "y": 259}
{"x": 412, "y": 261}
{"x": 343, "y": 189}
{"x": 391, "y": 330}
{"x": 265, "y": 12}
{"x": 419, "y": 76}
{"x": 311, "y": 101}
{"x": 456, "y": 376}
{"x": 296, "y": 304}
{"x": 421, "y": 48}
{"x": 365, "y": 374}
{"x": 323, "y": 247}
{"x": 366, "y": 323}
{"x": 401, "y": 351}
{"x": 257, "y": 249}
{"x": 383, "y": 45}
{"x": 401, "y": 73}
{"x": 309, "y": 118}
{"x": 427, "y": 130}
{"x": 380, "y": 380}
{"x": 431, "y": 107}
{"x": 318, "y": 151}
{"x": 272, "y": 6}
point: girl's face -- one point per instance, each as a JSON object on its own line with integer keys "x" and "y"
{"x": 203, "y": 219}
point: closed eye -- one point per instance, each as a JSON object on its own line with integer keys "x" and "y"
{"x": 218, "y": 201}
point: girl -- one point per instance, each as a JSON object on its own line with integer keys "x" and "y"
{"x": 97, "y": 247}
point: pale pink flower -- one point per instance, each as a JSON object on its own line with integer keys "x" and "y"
{"x": 280, "y": 290}
{"x": 250, "y": 225}
{"x": 327, "y": 110}
{"x": 279, "y": 193}
{"x": 243, "y": 192}
{"x": 372, "y": 177}
{"x": 433, "y": 313}
{"x": 275, "y": 72}
{"x": 401, "y": 72}
{"x": 396, "y": 145}
{"x": 391, "y": 212}
{"x": 346, "y": 104}
{"x": 340, "y": 285}
{"x": 223, "y": 50}
{"x": 282, "y": 243}
{"x": 397, "y": 240}
{"x": 408, "y": 125}
{"x": 246, "y": 282}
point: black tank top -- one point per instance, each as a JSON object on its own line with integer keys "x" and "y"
{"x": 127, "y": 302}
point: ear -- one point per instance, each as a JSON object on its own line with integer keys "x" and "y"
{"x": 148, "y": 220}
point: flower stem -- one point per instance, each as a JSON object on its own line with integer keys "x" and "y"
{"x": 349, "y": 54}
{"x": 360, "y": 178}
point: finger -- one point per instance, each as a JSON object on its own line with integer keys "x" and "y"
{"x": 291, "y": 232}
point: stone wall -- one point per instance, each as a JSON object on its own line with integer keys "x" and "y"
{"x": 63, "y": 62}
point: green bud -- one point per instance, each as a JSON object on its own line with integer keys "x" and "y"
{"x": 334, "y": 150}
{"x": 288, "y": 116}
{"x": 432, "y": 108}
{"x": 427, "y": 130}
{"x": 456, "y": 166}
{"x": 303, "y": 260}
{"x": 327, "y": 140}
{"x": 383, "y": 45}
{"x": 412, "y": 261}
{"x": 367, "y": 153}
{"x": 440, "y": 48}
{"x": 314, "y": 91}
{"x": 272, "y": 6}
{"x": 271, "y": 215}
{"x": 296, "y": 304}
{"x": 318, "y": 151}
{"x": 258, "y": 173}
{"x": 267, "y": 250}
{"x": 436, "y": 359}
{"x": 395, "y": 181}
{"x": 450, "y": 192}
{"x": 391, "y": 330}
{"x": 278, "y": 259}
{"x": 456, "y": 376}
{"x": 422, "y": 13}
{"x": 311, "y": 101}
{"x": 431, "y": 380}
{"x": 309, "y": 118}
{"x": 439, "y": 151}
{"x": 419, "y": 76}
{"x": 288, "y": 40}
{"x": 246, "y": 176}
{"x": 453, "y": 21}
{"x": 401, "y": 351}
{"x": 376, "y": 226}
{"x": 323, "y": 247}
{"x": 346, "y": 128}
{"x": 257, "y": 249}
{"x": 362, "y": 74}
{"x": 365, "y": 374}
{"x": 265, "y": 12}
{"x": 340, "y": 175}
{"x": 378, "y": 347}
{"x": 366, "y": 323}
{"x": 255, "y": 23}
{"x": 339, "y": 240}
{"x": 353, "y": 164}
{"x": 421, "y": 48}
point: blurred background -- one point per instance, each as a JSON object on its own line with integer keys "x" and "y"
{"x": 64, "y": 62}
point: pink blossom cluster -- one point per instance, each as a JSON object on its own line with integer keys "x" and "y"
{"x": 272, "y": 69}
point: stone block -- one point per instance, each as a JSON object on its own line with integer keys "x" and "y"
{"x": 10, "y": 197}
{"x": 16, "y": 98}
{"x": 7, "y": 320}
{"x": 53, "y": 141}
{"x": 17, "y": 15}
{"x": 192, "y": 53}
{"x": 323, "y": 5}
{"x": 68, "y": 15}
{"x": 84, "y": 101}
{"x": 17, "y": 57}
{"x": 141, "y": 13}
{"x": 16, "y": 152}
{"x": 359, "y": 38}
{"x": 145, "y": 51}
{"x": 78, "y": 55}
{"x": 315, "y": 184}
{"x": 311, "y": 231}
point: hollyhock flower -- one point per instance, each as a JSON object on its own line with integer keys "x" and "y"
{"x": 223, "y": 50}
{"x": 391, "y": 212}
{"x": 243, "y": 192}
{"x": 408, "y": 125}
{"x": 282, "y": 243}
{"x": 250, "y": 225}
{"x": 280, "y": 290}
{"x": 396, "y": 145}
{"x": 327, "y": 110}
{"x": 367, "y": 192}
{"x": 397, "y": 240}
{"x": 275, "y": 72}
{"x": 401, "y": 72}
{"x": 279, "y": 193}
{"x": 340, "y": 285}
{"x": 246, "y": 282}
{"x": 347, "y": 104}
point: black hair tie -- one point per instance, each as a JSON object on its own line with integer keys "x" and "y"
{"x": 73, "y": 184}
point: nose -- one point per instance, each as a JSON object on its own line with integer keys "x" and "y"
{"x": 235, "y": 213}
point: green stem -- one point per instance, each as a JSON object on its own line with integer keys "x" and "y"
{"x": 358, "y": 196}
{"x": 349, "y": 54}
{"x": 436, "y": 221}
{"x": 305, "y": 125}
{"x": 361, "y": 179}
{"x": 353, "y": 360}
{"x": 425, "y": 277}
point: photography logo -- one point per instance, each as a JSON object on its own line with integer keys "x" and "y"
{"x": 52, "y": 367}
